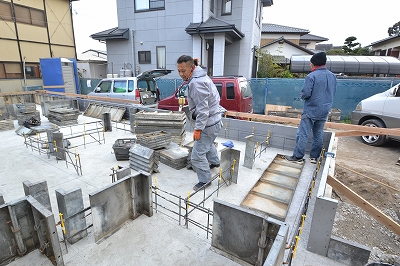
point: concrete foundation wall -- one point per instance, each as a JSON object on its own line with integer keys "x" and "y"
{"x": 25, "y": 225}
{"x": 71, "y": 203}
{"x": 230, "y": 237}
{"x": 348, "y": 252}
{"x": 119, "y": 202}
{"x": 39, "y": 191}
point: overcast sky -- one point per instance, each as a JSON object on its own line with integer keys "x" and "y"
{"x": 367, "y": 20}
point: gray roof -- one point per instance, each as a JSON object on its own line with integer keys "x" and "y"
{"x": 214, "y": 25}
{"x": 386, "y": 39}
{"x": 275, "y": 28}
{"x": 114, "y": 33}
{"x": 311, "y": 37}
{"x": 290, "y": 43}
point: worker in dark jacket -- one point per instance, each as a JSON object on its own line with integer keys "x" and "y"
{"x": 203, "y": 100}
{"x": 318, "y": 92}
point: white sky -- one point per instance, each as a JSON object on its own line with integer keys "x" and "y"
{"x": 367, "y": 20}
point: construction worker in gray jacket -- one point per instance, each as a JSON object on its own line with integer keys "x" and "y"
{"x": 203, "y": 100}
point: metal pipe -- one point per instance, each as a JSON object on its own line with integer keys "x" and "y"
{"x": 16, "y": 229}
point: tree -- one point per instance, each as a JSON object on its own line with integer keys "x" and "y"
{"x": 335, "y": 52}
{"x": 394, "y": 30}
{"x": 269, "y": 68}
{"x": 350, "y": 47}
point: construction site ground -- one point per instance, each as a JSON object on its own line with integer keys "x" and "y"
{"x": 373, "y": 174}
{"x": 355, "y": 164}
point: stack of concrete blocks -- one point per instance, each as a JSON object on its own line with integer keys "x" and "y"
{"x": 25, "y": 112}
{"x": 63, "y": 116}
{"x": 154, "y": 140}
{"x": 5, "y": 120}
{"x": 143, "y": 159}
{"x": 172, "y": 122}
{"x": 62, "y": 103}
{"x": 121, "y": 148}
{"x": 174, "y": 156}
{"x": 6, "y": 124}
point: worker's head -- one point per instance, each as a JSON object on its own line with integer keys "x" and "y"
{"x": 185, "y": 65}
{"x": 318, "y": 59}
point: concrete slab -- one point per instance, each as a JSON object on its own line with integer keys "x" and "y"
{"x": 146, "y": 241}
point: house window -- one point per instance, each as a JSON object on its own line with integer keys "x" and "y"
{"x": 148, "y": 5}
{"x": 144, "y": 57}
{"x": 5, "y": 11}
{"x": 226, "y": 7}
{"x": 29, "y": 15}
{"x": 32, "y": 71}
{"x": 212, "y": 6}
{"x": 161, "y": 57}
{"x": 10, "y": 71}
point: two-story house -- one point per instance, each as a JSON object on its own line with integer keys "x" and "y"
{"x": 30, "y": 30}
{"x": 154, "y": 33}
{"x": 389, "y": 46}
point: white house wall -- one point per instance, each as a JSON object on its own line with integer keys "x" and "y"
{"x": 284, "y": 49}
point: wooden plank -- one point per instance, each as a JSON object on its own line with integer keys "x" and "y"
{"x": 3, "y": 94}
{"x": 342, "y": 126}
{"x": 274, "y": 107}
{"x": 55, "y": 86}
{"x": 365, "y": 205}
{"x": 351, "y": 133}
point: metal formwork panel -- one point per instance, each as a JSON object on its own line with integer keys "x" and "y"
{"x": 274, "y": 191}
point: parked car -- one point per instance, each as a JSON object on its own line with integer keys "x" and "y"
{"x": 142, "y": 87}
{"x": 379, "y": 110}
{"x": 235, "y": 93}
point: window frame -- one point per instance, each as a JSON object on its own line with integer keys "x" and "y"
{"x": 11, "y": 70}
{"x": 18, "y": 9}
{"x": 224, "y": 12}
{"x": 147, "y": 57}
{"x": 149, "y": 8}
{"x": 161, "y": 64}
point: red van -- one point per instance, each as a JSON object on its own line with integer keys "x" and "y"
{"x": 235, "y": 93}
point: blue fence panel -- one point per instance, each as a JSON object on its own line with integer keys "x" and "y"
{"x": 168, "y": 86}
{"x": 286, "y": 92}
{"x": 258, "y": 88}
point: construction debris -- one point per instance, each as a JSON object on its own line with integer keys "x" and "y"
{"x": 25, "y": 112}
{"x": 143, "y": 159}
{"x": 172, "y": 122}
{"x": 154, "y": 140}
{"x": 63, "y": 116}
{"x": 121, "y": 148}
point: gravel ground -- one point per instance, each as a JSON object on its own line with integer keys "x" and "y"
{"x": 370, "y": 172}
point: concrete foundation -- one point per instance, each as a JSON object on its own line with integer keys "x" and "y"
{"x": 119, "y": 202}
{"x": 69, "y": 204}
{"x": 39, "y": 191}
{"x": 348, "y": 252}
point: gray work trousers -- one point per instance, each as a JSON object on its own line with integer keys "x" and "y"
{"x": 205, "y": 153}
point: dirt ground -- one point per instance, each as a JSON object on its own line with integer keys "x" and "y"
{"x": 373, "y": 174}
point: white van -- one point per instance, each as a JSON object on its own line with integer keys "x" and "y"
{"x": 142, "y": 87}
{"x": 379, "y": 110}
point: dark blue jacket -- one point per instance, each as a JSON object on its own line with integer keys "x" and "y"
{"x": 318, "y": 92}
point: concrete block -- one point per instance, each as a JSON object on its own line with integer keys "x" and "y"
{"x": 347, "y": 252}
{"x": 39, "y": 191}
{"x": 321, "y": 225}
{"x": 228, "y": 158}
{"x": 249, "y": 152}
{"x": 59, "y": 149}
{"x": 124, "y": 172}
{"x": 70, "y": 203}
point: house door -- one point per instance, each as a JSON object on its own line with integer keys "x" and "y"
{"x": 210, "y": 60}
{"x": 68, "y": 77}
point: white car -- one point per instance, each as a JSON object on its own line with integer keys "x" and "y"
{"x": 142, "y": 87}
{"x": 379, "y": 110}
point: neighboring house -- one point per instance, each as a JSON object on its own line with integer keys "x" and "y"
{"x": 153, "y": 34}
{"x": 30, "y": 30}
{"x": 96, "y": 53}
{"x": 389, "y": 46}
{"x": 310, "y": 41}
{"x": 282, "y": 41}
{"x": 91, "y": 66}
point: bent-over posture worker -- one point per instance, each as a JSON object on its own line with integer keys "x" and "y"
{"x": 203, "y": 100}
